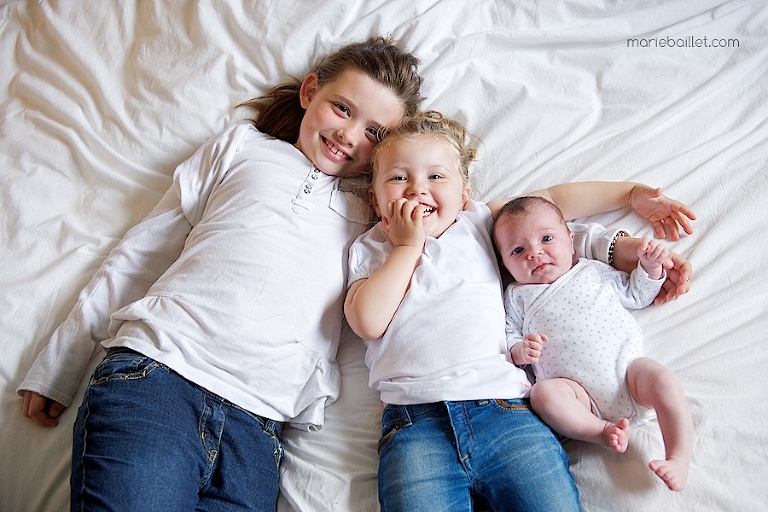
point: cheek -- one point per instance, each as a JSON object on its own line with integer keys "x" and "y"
{"x": 365, "y": 150}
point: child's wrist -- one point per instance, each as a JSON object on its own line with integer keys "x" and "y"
{"x": 612, "y": 246}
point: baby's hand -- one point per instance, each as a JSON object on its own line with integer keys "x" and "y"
{"x": 664, "y": 214}
{"x": 654, "y": 257}
{"x": 403, "y": 224}
{"x": 528, "y": 351}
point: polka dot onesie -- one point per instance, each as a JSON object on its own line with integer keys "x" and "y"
{"x": 592, "y": 337}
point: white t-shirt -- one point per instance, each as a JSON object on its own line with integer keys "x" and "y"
{"x": 235, "y": 281}
{"x": 447, "y": 339}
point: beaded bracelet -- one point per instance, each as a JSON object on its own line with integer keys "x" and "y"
{"x": 612, "y": 247}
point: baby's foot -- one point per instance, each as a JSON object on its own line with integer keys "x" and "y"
{"x": 674, "y": 472}
{"x": 616, "y": 436}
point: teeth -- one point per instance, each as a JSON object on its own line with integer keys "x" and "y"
{"x": 336, "y": 151}
{"x": 428, "y": 210}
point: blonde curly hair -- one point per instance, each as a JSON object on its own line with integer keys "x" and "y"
{"x": 430, "y": 122}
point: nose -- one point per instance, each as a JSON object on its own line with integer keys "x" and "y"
{"x": 349, "y": 134}
{"x": 416, "y": 187}
{"x": 533, "y": 252}
{"x": 343, "y": 135}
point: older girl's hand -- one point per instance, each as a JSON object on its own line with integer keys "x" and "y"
{"x": 664, "y": 214}
{"x": 41, "y": 409}
{"x": 679, "y": 273}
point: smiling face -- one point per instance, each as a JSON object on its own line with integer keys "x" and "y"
{"x": 342, "y": 118}
{"x": 535, "y": 246}
{"x": 423, "y": 169}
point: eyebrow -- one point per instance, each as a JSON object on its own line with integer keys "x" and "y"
{"x": 353, "y": 106}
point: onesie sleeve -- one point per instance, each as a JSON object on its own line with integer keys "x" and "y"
{"x": 636, "y": 290}
{"x": 592, "y": 240}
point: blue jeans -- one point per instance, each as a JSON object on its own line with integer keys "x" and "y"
{"x": 438, "y": 456}
{"x": 147, "y": 439}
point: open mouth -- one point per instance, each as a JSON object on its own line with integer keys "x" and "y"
{"x": 428, "y": 210}
{"x": 334, "y": 150}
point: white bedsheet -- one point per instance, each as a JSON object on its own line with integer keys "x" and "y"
{"x": 101, "y": 100}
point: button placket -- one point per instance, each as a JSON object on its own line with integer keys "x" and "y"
{"x": 302, "y": 200}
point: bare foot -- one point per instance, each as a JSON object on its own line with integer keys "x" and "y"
{"x": 616, "y": 436}
{"x": 674, "y": 472}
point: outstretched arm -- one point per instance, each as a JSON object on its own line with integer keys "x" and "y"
{"x": 581, "y": 199}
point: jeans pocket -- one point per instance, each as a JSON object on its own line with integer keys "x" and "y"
{"x": 513, "y": 404}
{"x": 387, "y": 435}
{"x": 123, "y": 364}
{"x": 394, "y": 419}
{"x": 273, "y": 429}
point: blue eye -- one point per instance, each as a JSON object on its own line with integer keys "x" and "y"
{"x": 343, "y": 109}
{"x": 517, "y": 250}
{"x": 547, "y": 238}
{"x": 373, "y": 133}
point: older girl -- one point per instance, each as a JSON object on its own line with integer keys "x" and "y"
{"x": 221, "y": 312}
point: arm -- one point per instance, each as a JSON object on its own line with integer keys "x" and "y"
{"x": 581, "y": 199}
{"x": 371, "y": 303}
{"x": 131, "y": 268}
{"x": 146, "y": 251}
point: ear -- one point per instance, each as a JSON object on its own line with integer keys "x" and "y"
{"x": 308, "y": 89}
{"x": 465, "y": 197}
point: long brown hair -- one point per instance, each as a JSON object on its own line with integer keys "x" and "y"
{"x": 280, "y": 112}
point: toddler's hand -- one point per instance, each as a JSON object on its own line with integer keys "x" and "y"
{"x": 403, "y": 224}
{"x": 663, "y": 213}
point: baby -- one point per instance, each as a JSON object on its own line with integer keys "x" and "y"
{"x": 569, "y": 321}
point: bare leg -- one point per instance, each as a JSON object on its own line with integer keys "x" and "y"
{"x": 654, "y": 385}
{"x": 564, "y": 405}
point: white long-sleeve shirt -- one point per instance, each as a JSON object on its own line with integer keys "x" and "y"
{"x": 235, "y": 281}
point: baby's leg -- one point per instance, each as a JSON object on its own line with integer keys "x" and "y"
{"x": 565, "y": 406}
{"x": 654, "y": 385}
